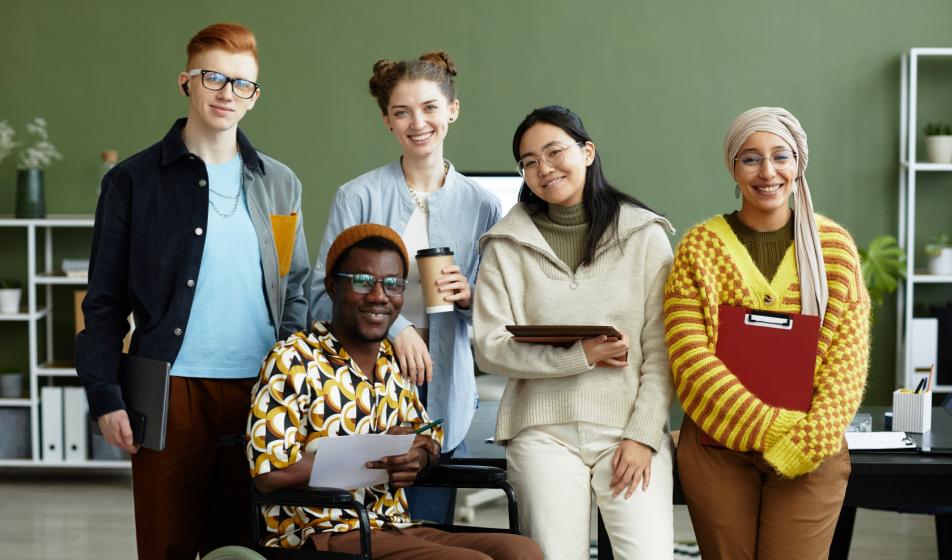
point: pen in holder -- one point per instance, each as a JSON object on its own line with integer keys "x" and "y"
{"x": 912, "y": 412}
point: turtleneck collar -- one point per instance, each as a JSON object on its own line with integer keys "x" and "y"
{"x": 567, "y": 215}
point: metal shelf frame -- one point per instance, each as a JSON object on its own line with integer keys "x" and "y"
{"x": 43, "y": 369}
{"x": 909, "y": 168}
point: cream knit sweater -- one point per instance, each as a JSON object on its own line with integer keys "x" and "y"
{"x": 521, "y": 281}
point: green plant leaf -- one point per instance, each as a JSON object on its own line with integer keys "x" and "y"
{"x": 884, "y": 265}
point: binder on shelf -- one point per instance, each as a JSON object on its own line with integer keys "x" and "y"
{"x": 51, "y": 424}
{"x": 924, "y": 347}
{"x": 75, "y": 425}
{"x": 772, "y": 354}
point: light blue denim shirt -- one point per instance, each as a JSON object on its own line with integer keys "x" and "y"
{"x": 460, "y": 213}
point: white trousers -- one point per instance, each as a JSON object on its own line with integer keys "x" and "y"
{"x": 556, "y": 469}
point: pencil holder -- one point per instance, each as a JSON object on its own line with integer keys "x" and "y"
{"x": 912, "y": 412}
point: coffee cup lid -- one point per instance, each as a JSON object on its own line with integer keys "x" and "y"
{"x": 434, "y": 252}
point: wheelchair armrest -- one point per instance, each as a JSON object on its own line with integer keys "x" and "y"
{"x": 463, "y": 476}
{"x": 305, "y": 496}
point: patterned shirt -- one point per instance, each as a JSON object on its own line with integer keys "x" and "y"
{"x": 711, "y": 268}
{"x": 308, "y": 388}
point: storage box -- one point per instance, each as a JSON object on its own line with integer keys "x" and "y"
{"x": 15, "y": 438}
{"x": 80, "y": 323}
{"x": 78, "y": 297}
{"x": 102, "y": 451}
{"x": 912, "y": 412}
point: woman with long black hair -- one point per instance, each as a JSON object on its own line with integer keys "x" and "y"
{"x": 592, "y": 417}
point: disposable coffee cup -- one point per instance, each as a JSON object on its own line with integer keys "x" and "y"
{"x": 431, "y": 262}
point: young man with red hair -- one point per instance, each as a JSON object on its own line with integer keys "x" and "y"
{"x": 200, "y": 237}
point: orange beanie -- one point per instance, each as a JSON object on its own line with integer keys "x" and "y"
{"x": 355, "y": 234}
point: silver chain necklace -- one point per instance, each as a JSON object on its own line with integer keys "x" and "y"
{"x": 236, "y": 197}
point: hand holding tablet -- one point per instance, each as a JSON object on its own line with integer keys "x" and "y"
{"x": 567, "y": 335}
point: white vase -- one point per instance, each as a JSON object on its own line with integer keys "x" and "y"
{"x": 10, "y": 300}
{"x": 941, "y": 264}
{"x": 939, "y": 149}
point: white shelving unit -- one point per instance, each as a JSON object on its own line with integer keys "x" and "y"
{"x": 44, "y": 370}
{"x": 909, "y": 170}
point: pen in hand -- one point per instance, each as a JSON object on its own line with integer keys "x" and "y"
{"x": 429, "y": 426}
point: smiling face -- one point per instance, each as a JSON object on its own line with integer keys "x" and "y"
{"x": 219, "y": 111}
{"x": 365, "y": 318}
{"x": 765, "y": 188}
{"x": 419, "y": 114}
{"x": 559, "y": 182}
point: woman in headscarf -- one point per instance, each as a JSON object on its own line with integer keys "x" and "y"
{"x": 774, "y": 486}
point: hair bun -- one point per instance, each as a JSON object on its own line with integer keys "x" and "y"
{"x": 383, "y": 66}
{"x": 380, "y": 81}
{"x": 441, "y": 59}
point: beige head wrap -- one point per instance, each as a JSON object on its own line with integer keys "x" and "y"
{"x": 776, "y": 120}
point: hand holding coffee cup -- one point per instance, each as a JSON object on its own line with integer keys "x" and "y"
{"x": 455, "y": 287}
{"x": 443, "y": 284}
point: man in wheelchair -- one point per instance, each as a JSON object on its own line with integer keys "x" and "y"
{"x": 342, "y": 378}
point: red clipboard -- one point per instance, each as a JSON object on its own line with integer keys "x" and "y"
{"x": 772, "y": 354}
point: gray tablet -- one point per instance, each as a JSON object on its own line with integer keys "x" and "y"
{"x": 145, "y": 390}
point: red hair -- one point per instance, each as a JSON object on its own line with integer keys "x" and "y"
{"x": 230, "y": 37}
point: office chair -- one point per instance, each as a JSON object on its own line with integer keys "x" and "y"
{"x": 445, "y": 476}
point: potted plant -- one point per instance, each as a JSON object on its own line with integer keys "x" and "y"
{"x": 939, "y": 142}
{"x": 939, "y": 252}
{"x": 9, "y": 296}
{"x": 884, "y": 265}
{"x": 31, "y": 162}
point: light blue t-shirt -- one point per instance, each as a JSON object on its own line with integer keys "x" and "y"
{"x": 229, "y": 329}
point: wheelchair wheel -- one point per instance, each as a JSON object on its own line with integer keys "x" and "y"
{"x": 233, "y": 553}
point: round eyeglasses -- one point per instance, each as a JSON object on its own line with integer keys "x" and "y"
{"x": 364, "y": 283}
{"x": 752, "y": 162}
{"x": 216, "y": 81}
{"x": 551, "y": 155}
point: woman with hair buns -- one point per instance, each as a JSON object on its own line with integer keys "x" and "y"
{"x": 424, "y": 198}
{"x": 775, "y": 488}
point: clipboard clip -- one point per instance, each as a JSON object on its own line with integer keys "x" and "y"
{"x": 768, "y": 319}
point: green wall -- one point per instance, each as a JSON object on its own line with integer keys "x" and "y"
{"x": 656, "y": 83}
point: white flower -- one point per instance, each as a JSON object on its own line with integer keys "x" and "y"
{"x": 6, "y": 140}
{"x": 41, "y": 154}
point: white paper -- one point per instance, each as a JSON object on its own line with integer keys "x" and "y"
{"x": 340, "y": 461}
{"x": 878, "y": 440}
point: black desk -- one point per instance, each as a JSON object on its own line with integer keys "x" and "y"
{"x": 904, "y": 481}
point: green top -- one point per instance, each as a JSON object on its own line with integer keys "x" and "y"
{"x": 564, "y": 228}
{"x": 766, "y": 248}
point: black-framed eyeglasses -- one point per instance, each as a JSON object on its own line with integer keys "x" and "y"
{"x": 782, "y": 159}
{"x": 216, "y": 81}
{"x": 364, "y": 283}
{"x": 552, "y": 156}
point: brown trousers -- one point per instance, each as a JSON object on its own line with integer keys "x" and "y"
{"x": 741, "y": 509}
{"x": 195, "y": 495}
{"x": 426, "y": 543}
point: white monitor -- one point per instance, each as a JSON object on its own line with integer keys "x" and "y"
{"x": 505, "y": 185}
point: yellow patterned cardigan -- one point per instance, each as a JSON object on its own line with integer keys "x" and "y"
{"x": 711, "y": 268}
